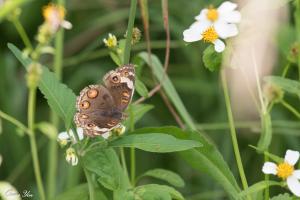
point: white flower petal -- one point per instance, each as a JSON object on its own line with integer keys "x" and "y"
{"x": 106, "y": 135}
{"x": 226, "y": 30}
{"x": 231, "y": 17}
{"x": 219, "y": 45}
{"x": 74, "y": 161}
{"x": 194, "y": 33}
{"x": 291, "y": 157}
{"x": 64, "y": 136}
{"x": 202, "y": 15}
{"x": 269, "y": 168}
{"x": 296, "y": 174}
{"x": 294, "y": 185}
{"x": 80, "y": 133}
{"x": 8, "y": 192}
{"x": 227, "y": 6}
{"x": 66, "y": 24}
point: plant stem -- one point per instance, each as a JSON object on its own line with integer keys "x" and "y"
{"x": 35, "y": 159}
{"x": 53, "y": 146}
{"x": 123, "y": 160}
{"x": 267, "y": 190}
{"x": 132, "y": 150}
{"x": 15, "y": 122}
{"x": 297, "y": 22}
{"x": 90, "y": 184}
{"x": 129, "y": 31}
{"x": 233, "y": 132}
{"x": 22, "y": 32}
{"x": 290, "y": 108}
{"x": 285, "y": 69}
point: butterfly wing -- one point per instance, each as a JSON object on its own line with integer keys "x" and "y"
{"x": 120, "y": 83}
{"x": 96, "y": 110}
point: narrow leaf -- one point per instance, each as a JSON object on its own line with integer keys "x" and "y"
{"x": 287, "y": 85}
{"x": 258, "y": 187}
{"x": 155, "y": 191}
{"x": 166, "y": 175}
{"x": 141, "y": 88}
{"x": 169, "y": 88}
{"x": 154, "y": 142}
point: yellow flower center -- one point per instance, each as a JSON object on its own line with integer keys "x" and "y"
{"x": 53, "y": 11}
{"x": 210, "y": 35}
{"x": 111, "y": 41}
{"x": 284, "y": 170}
{"x": 212, "y": 14}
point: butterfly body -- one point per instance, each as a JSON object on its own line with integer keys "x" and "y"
{"x": 100, "y": 108}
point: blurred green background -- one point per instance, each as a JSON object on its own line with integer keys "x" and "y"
{"x": 86, "y": 60}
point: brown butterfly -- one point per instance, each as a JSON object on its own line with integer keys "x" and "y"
{"x": 100, "y": 108}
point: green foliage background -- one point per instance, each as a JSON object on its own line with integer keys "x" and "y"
{"x": 87, "y": 60}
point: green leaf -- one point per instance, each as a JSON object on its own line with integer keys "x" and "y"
{"x": 141, "y": 88}
{"x": 60, "y": 98}
{"x": 106, "y": 165}
{"x": 287, "y": 85}
{"x": 138, "y": 110}
{"x": 206, "y": 159}
{"x": 48, "y": 129}
{"x": 284, "y": 196}
{"x": 212, "y": 60}
{"x": 166, "y": 175}
{"x": 266, "y": 134}
{"x": 169, "y": 88}
{"x": 80, "y": 192}
{"x": 258, "y": 187}
{"x": 115, "y": 58}
{"x": 155, "y": 192}
{"x": 154, "y": 142}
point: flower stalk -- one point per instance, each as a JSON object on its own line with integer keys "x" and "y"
{"x": 233, "y": 132}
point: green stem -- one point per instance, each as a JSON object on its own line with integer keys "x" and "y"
{"x": 53, "y": 146}
{"x": 132, "y": 149}
{"x": 129, "y": 31}
{"x": 35, "y": 159}
{"x": 267, "y": 190}
{"x": 123, "y": 160}
{"x": 290, "y": 108}
{"x": 297, "y": 22}
{"x": 233, "y": 132}
{"x": 90, "y": 184}
{"x": 286, "y": 69}
{"x": 15, "y": 122}
{"x": 22, "y": 32}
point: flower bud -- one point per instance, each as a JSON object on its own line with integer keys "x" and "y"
{"x": 33, "y": 75}
{"x": 272, "y": 92}
{"x": 71, "y": 156}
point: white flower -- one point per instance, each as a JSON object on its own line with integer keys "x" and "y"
{"x": 55, "y": 17}
{"x": 111, "y": 41}
{"x": 63, "y": 137}
{"x": 8, "y": 192}
{"x": 71, "y": 156}
{"x": 225, "y": 14}
{"x": 213, "y": 24}
{"x": 286, "y": 171}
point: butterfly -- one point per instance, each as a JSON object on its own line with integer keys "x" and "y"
{"x": 100, "y": 108}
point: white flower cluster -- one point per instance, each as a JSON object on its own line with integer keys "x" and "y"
{"x": 212, "y": 25}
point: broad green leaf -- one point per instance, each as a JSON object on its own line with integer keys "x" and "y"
{"x": 138, "y": 110}
{"x": 154, "y": 142}
{"x": 141, "y": 88}
{"x": 287, "y": 85}
{"x": 206, "y": 159}
{"x": 212, "y": 60}
{"x": 166, "y": 175}
{"x": 266, "y": 133}
{"x": 258, "y": 187}
{"x": 48, "y": 129}
{"x": 155, "y": 192}
{"x": 106, "y": 165}
{"x": 80, "y": 192}
{"x": 284, "y": 196}
{"x": 60, "y": 98}
{"x": 169, "y": 88}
